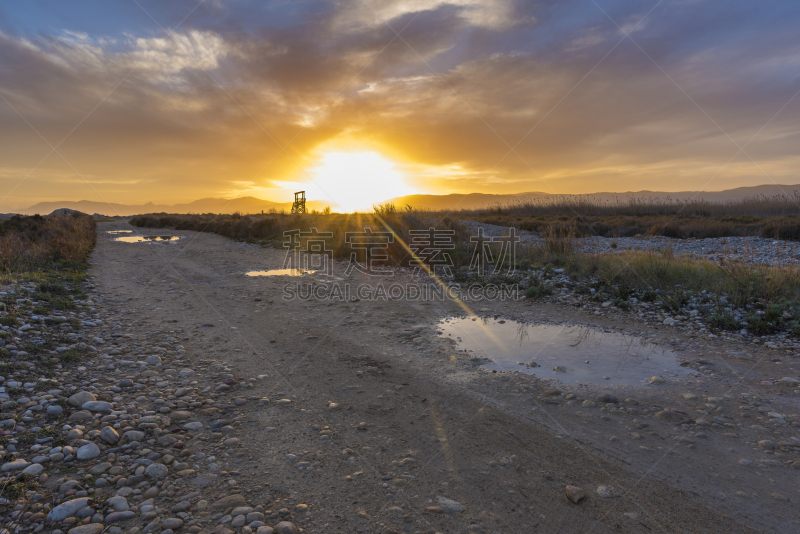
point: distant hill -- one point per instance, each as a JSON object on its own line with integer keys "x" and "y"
{"x": 205, "y": 205}
{"x": 480, "y": 200}
{"x": 427, "y": 202}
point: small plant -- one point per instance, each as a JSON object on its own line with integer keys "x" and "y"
{"x": 72, "y": 355}
{"x": 613, "y": 244}
{"x": 622, "y": 304}
{"x": 676, "y": 300}
{"x": 723, "y": 320}
{"x": 537, "y": 288}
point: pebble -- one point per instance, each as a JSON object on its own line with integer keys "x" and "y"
{"x": 88, "y": 452}
{"x": 54, "y": 409}
{"x": 156, "y": 471}
{"x": 119, "y": 516}
{"x": 14, "y": 465}
{"x": 172, "y": 523}
{"x": 92, "y": 528}
{"x": 228, "y": 502}
{"x": 80, "y": 398}
{"x": 109, "y": 435}
{"x": 67, "y": 509}
{"x": 449, "y": 505}
{"x": 285, "y": 527}
{"x": 575, "y": 494}
{"x": 33, "y": 470}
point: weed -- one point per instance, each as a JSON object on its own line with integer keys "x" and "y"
{"x": 675, "y": 300}
{"x": 537, "y": 288}
{"x": 71, "y": 355}
{"x": 723, "y": 320}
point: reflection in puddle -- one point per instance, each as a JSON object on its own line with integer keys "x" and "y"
{"x": 280, "y": 272}
{"x": 120, "y": 232}
{"x": 570, "y": 354}
{"x": 147, "y": 238}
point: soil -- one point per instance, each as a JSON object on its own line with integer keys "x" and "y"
{"x": 386, "y": 417}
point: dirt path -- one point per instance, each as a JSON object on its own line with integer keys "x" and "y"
{"x": 413, "y": 427}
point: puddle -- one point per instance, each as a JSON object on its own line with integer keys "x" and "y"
{"x": 147, "y": 238}
{"x": 120, "y": 232}
{"x": 280, "y": 272}
{"x": 561, "y": 352}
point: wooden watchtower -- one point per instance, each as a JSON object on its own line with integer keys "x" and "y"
{"x": 299, "y": 205}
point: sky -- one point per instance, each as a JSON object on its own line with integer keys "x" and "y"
{"x": 137, "y": 100}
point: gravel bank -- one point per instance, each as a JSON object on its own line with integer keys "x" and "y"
{"x": 746, "y": 249}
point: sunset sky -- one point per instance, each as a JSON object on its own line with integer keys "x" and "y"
{"x": 136, "y": 100}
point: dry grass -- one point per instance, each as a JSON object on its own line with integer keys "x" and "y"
{"x": 776, "y": 217}
{"x": 269, "y": 229}
{"x": 36, "y": 243}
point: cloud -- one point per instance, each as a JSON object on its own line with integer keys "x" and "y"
{"x": 498, "y": 96}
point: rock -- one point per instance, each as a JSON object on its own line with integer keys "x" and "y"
{"x": 180, "y": 415}
{"x": 172, "y": 523}
{"x": 156, "y": 471}
{"x": 67, "y": 509}
{"x": 605, "y": 492}
{"x": 238, "y": 521}
{"x": 133, "y": 435}
{"x": 575, "y": 494}
{"x": 88, "y": 452}
{"x": 766, "y": 444}
{"x": 98, "y": 406}
{"x": 205, "y": 480}
{"x": 255, "y": 516}
{"x": 228, "y": 502}
{"x": 33, "y": 470}
{"x": 118, "y": 503}
{"x": 153, "y": 359}
{"x": 670, "y": 416}
{"x": 91, "y": 528}
{"x": 119, "y": 516}
{"x": 80, "y": 398}
{"x": 196, "y": 425}
{"x": 231, "y": 442}
{"x": 80, "y": 416}
{"x": 241, "y": 510}
{"x": 109, "y": 435}
{"x": 606, "y": 399}
{"x": 449, "y": 505}
{"x": 285, "y": 527}
{"x": 54, "y": 409}
{"x": 15, "y": 465}
{"x": 151, "y": 492}
{"x": 265, "y": 530}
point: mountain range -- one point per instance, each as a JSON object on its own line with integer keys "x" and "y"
{"x": 427, "y": 202}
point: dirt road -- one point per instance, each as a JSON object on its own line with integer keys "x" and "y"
{"x": 389, "y": 429}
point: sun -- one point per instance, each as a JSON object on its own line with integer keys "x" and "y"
{"x": 355, "y": 181}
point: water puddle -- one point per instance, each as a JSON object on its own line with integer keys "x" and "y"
{"x": 570, "y": 354}
{"x": 120, "y": 232}
{"x": 147, "y": 238}
{"x": 280, "y": 272}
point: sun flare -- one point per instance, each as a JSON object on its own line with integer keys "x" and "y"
{"x": 356, "y": 180}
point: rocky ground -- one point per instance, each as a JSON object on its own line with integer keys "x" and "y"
{"x": 179, "y": 395}
{"x": 746, "y": 249}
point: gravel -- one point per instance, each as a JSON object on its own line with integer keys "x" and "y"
{"x": 746, "y": 249}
